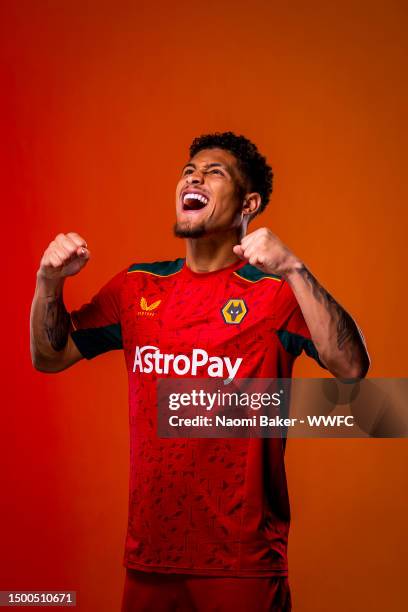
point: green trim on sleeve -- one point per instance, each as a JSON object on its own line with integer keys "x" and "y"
{"x": 158, "y": 268}
{"x": 97, "y": 340}
{"x": 253, "y": 275}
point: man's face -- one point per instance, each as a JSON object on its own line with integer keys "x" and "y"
{"x": 209, "y": 194}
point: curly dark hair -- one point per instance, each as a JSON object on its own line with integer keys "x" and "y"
{"x": 251, "y": 163}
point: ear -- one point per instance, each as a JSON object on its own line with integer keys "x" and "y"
{"x": 252, "y": 202}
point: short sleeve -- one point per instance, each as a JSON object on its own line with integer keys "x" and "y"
{"x": 291, "y": 327}
{"x": 97, "y": 324}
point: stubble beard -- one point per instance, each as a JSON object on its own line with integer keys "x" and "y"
{"x": 185, "y": 230}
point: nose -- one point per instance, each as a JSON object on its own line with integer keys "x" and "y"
{"x": 195, "y": 177}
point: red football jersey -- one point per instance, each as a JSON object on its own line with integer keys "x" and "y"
{"x": 200, "y": 506}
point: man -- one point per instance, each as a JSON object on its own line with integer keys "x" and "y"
{"x": 208, "y": 518}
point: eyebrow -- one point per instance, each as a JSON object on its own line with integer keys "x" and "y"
{"x": 225, "y": 167}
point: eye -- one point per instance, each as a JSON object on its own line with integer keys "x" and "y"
{"x": 216, "y": 171}
{"x": 187, "y": 171}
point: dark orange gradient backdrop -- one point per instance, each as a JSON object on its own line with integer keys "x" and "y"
{"x": 99, "y": 102}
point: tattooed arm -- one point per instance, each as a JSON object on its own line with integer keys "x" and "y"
{"x": 335, "y": 335}
{"x": 52, "y": 348}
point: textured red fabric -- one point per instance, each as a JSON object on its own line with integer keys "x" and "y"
{"x": 199, "y": 506}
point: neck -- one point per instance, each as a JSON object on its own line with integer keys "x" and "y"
{"x": 211, "y": 253}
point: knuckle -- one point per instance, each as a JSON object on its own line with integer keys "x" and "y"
{"x": 76, "y": 239}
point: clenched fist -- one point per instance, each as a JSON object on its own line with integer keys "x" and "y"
{"x": 65, "y": 256}
{"x": 264, "y": 250}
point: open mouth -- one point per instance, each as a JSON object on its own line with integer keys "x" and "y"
{"x": 194, "y": 201}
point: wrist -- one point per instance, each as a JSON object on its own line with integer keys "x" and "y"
{"x": 48, "y": 287}
{"x": 292, "y": 267}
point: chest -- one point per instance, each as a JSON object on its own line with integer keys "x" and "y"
{"x": 179, "y": 314}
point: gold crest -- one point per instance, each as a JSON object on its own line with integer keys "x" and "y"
{"x": 234, "y": 311}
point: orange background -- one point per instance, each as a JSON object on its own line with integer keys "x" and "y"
{"x": 99, "y": 102}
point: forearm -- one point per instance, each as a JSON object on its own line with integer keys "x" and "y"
{"x": 334, "y": 333}
{"x": 50, "y": 324}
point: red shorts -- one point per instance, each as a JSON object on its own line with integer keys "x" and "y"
{"x": 154, "y": 592}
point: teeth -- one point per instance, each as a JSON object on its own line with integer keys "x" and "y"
{"x": 195, "y": 196}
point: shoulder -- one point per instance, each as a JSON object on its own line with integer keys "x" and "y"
{"x": 156, "y": 268}
{"x": 271, "y": 286}
{"x": 251, "y": 274}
